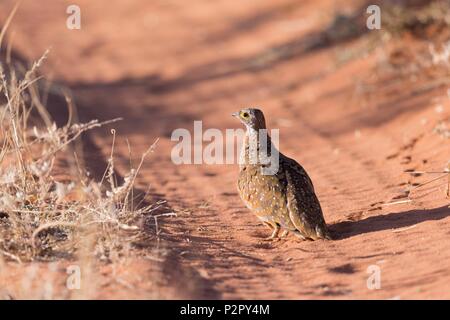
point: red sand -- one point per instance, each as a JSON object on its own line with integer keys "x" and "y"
{"x": 164, "y": 64}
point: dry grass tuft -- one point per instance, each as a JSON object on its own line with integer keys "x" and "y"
{"x": 50, "y": 207}
{"x": 420, "y": 20}
{"x": 42, "y": 216}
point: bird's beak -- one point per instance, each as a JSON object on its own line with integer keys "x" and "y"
{"x": 235, "y": 114}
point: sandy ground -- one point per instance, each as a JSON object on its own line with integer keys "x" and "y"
{"x": 163, "y": 64}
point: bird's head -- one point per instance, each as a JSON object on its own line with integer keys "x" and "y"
{"x": 251, "y": 118}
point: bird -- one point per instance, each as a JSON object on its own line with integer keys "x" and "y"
{"x": 283, "y": 200}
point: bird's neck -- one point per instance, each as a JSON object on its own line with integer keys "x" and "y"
{"x": 255, "y": 141}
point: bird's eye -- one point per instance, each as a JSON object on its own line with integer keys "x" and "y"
{"x": 245, "y": 115}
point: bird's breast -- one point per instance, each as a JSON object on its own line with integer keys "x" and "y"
{"x": 264, "y": 195}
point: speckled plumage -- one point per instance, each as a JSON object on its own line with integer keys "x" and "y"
{"x": 285, "y": 200}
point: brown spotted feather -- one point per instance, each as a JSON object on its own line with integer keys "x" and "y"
{"x": 284, "y": 200}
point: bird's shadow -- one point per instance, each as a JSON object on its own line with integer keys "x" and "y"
{"x": 395, "y": 220}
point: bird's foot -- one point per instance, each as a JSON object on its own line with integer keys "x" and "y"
{"x": 284, "y": 234}
{"x": 273, "y": 236}
{"x": 272, "y": 239}
{"x": 275, "y": 230}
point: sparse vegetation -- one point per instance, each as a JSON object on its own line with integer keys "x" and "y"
{"x": 43, "y": 216}
{"x": 430, "y": 17}
{"x": 366, "y": 111}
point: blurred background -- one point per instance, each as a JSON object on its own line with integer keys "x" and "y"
{"x": 358, "y": 108}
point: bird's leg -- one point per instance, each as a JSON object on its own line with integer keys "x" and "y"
{"x": 284, "y": 234}
{"x": 275, "y": 229}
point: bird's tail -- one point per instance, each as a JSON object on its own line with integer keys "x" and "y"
{"x": 322, "y": 232}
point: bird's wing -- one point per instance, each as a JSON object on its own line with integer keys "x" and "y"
{"x": 304, "y": 208}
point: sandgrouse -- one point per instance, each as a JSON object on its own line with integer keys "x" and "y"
{"x": 284, "y": 199}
